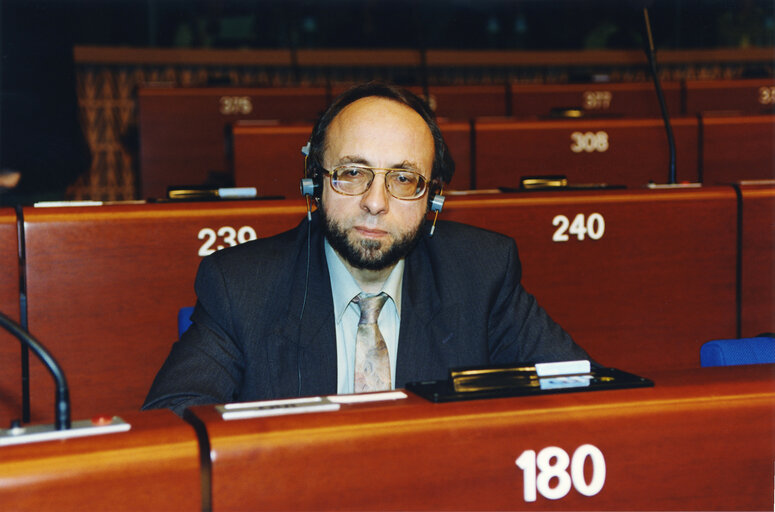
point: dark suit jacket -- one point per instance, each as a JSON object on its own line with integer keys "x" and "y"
{"x": 263, "y": 326}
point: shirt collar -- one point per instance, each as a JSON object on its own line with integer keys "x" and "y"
{"x": 344, "y": 287}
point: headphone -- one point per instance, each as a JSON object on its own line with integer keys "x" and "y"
{"x": 311, "y": 186}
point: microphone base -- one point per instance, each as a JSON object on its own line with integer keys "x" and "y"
{"x": 84, "y": 428}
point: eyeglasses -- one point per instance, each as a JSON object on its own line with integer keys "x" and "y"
{"x": 355, "y": 179}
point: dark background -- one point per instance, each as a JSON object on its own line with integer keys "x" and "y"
{"x": 38, "y": 105}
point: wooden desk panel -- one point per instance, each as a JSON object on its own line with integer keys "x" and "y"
{"x": 736, "y": 148}
{"x": 457, "y": 101}
{"x": 469, "y": 101}
{"x": 268, "y": 156}
{"x": 105, "y": 284}
{"x": 628, "y": 152}
{"x": 660, "y": 282}
{"x": 635, "y": 99}
{"x": 458, "y": 138}
{"x": 656, "y": 285}
{"x": 698, "y": 440}
{"x": 153, "y": 466}
{"x": 183, "y": 130}
{"x": 10, "y": 351}
{"x": 758, "y": 260}
{"x": 754, "y": 96}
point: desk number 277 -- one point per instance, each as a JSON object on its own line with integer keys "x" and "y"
{"x": 547, "y": 472}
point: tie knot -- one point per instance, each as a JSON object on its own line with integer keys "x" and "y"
{"x": 370, "y": 304}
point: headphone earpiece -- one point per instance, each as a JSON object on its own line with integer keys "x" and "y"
{"x": 435, "y": 204}
{"x": 310, "y": 184}
{"x": 308, "y": 187}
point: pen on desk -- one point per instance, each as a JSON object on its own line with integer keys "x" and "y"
{"x": 213, "y": 193}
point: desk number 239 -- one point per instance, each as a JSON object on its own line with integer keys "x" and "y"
{"x": 228, "y": 234}
{"x": 547, "y": 472}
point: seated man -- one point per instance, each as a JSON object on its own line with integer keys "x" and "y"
{"x": 296, "y": 314}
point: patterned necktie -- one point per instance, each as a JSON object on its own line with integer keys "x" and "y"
{"x": 372, "y": 364}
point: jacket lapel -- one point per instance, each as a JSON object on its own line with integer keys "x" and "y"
{"x": 429, "y": 324}
{"x": 310, "y": 334}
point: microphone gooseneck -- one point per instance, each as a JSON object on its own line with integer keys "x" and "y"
{"x": 62, "y": 401}
{"x": 651, "y": 54}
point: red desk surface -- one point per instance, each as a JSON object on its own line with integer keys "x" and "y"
{"x": 268, "y": 155}
{"x": 469, "y": 101}
{"x": 456, "y": 101}
{"x": 10, "y": 348}
{"x": 751, "y": 96}
{"x": 183, "y": 130}
{"x": 628, "y": 152}
{"x": 736, "y": 148}
{"x": 657, "y": 283}
{"x": 700, "y": 439}
{"x": 105, "y": 284}
{"x": 631, "y": 99}
{"x": 757, "y": 260}
{"x": 153, "y": 466}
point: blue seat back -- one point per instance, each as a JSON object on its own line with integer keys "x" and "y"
{"x": 738, "y": 351}
{"x": 184, "y": 319}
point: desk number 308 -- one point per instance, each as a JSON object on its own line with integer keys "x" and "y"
{"x": 552, "y": 468}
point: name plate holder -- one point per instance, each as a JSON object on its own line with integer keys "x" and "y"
{"x": 474, "y": 383}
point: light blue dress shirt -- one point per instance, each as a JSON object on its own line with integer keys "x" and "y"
{"x": 346, "y": 314}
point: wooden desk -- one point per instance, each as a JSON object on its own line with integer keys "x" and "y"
{"x": 457, "y": 135}
{"x": 105, "y": 284}
{"x": 268, "y": 155}
{"x": 10, "y": 351}
{"x": 752, "y": 96}
{"x": 469, "y": 101}
{"x": 736, "y": 148}
{"x": 183, "y": 130}
{"x": 153, "y": 466}
{"x": 631, "y": 99}
{"x": 628, "y": 152}
{"x": 657, "y": 284}
{"x": 757, "y": 278}
{"x": 458, "y": 102}
{"x": 698, "y": 440}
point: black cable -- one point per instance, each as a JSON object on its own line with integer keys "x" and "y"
{"x": 303, "y": 305}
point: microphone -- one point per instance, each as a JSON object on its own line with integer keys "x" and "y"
{"x": 62, "y": 399}
{"x": 62, "y": 429}
{"x": 651, "y": 55}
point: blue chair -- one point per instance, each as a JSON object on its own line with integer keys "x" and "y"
{"x": 184, "y": 319}
{"x": 738, "y": 351}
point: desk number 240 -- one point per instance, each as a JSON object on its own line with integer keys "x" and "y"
{"x": 592, "y": 226}
{"x": 547, "y": 472}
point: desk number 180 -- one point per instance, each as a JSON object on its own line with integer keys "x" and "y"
{"x": 551, "y": 464}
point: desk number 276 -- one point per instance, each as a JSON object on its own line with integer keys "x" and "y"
{"x": 547, "y": 472}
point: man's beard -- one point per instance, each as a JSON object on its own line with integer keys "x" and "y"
{"x": 368, "y": 254}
